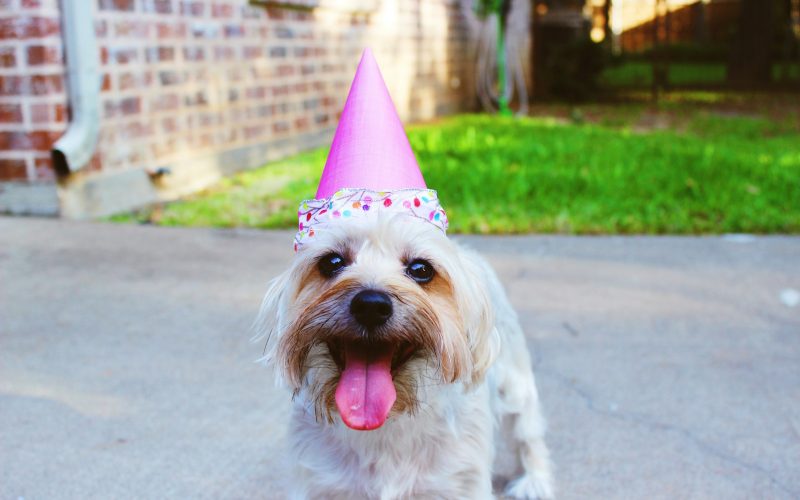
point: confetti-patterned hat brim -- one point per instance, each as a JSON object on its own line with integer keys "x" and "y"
{"x": 351, "y": 203}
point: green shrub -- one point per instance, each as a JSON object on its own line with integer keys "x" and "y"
{"x": 572, "y": 70}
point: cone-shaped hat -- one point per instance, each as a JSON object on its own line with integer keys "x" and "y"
{"x": 371, "y": 168}
{"x": 370, "y": 149}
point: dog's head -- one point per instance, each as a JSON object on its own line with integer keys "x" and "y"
{"x": 376, "y": 314}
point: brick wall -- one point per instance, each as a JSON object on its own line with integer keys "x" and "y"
{"x": 32, "y": 92}
{"x": 224, "y": 82}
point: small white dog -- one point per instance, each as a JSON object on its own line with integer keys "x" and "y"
{"x": 410, "y": 372}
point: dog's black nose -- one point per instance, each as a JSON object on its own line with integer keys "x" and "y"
{"x": 371, "y": 308}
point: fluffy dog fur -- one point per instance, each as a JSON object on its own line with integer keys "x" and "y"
{"x": 466, "y": 390}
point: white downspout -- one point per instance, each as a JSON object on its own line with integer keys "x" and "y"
{"x": 75, "y": 148}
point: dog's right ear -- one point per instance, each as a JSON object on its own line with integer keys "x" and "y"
{"x": 272, "y": 317}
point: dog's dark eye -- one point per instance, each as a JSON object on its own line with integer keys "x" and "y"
{"x": 420, "y": 271}
{"x": 330, "y": 264}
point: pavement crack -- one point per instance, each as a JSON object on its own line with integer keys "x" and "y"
{"x": 570, "y": 329}
{"x": 646, "y": 421}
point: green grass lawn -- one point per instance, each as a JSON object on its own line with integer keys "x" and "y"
{"x": 608, "y": 170}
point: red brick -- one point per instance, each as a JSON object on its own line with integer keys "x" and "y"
{"x": 137, "y": 80}
{"x": 47, "y": 113}
{"x": 109, "y": 109}
{"x": 301, "y": 124}
{"x": 136, "y": 130}
{"x": 198, "y": 98}
{"x": 263, "y": 111}
{"x": 123, "y": 55}
{"x": 221, "y": 10}
{"x": 130, "y": 106}
{"x": 169, "y": 30}
{"x": 13, "y": 169}
{"x": 44, "y": 169}
{"x": 285, "y": 70}
{"x": 206, "y": 140}
{"x": 259, "y": 92}
{"x": 46, "y": 84}
{"x": 160, "y": 54}
{"x": 282, "y": 108}
{"x": 236, "y": 74}
{"x": 38, "y": 140}
{"x": 170, "y": 125}
{"x": 279, "y": 127}
{"x": 234, "y": 31}
{"x": 10, "y": 113}
{"x": 171, "y": 77}
{"x": 254, "y": 131}
{"x": 277, "y": 52}
{"x": 40, "y": 113}
{"x": 207, "y": 119}
{"x": 28, "y": 27}
{"x": 158, "y": 6}
{"x": 43, "y": 140}
{"x": 100, "y": 28}
{"x": 250, "y": 12}
{"x": 192, "y": 8}
{"x": 33, "y": 85}
{"x": 8, "y": 57}
{"x": 127, "y": 5}
{"x": 12, "y": 85}
{"x": 281, "y": 90}
{"x": 224, "y": 53}
{"x": 253, "y": 52}
{"x": 193, "y": 54}
{"x": 43, "y": 54}
{"x": 136, "y": 29}
{"x": 166, "y": 102}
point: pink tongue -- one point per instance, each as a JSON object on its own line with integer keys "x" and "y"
{"x": 366, "y": 393}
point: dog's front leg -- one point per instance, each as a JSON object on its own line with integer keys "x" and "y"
{"x": 524, "y": 428}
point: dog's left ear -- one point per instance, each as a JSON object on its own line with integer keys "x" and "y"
{"x": 271, "y": 321}
{"x": 473, "y": 296}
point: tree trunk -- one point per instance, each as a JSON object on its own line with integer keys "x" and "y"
{"x": 607, "y": 21}
{"x": 750, "y": 63}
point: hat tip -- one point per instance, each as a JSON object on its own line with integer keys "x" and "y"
{"x": 367, "y": 53}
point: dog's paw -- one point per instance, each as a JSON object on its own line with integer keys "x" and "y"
{"x": 530, "y": 487}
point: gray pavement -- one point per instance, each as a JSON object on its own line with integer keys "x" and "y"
{"x": 668, "y": 367}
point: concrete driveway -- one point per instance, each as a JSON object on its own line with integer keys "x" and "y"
{"x": 668, "y": 367}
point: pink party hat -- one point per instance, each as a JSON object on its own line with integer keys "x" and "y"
{"x": 371, "y": 168}
{"x": 370, "y": 149}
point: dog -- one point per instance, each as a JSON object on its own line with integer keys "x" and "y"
{"x": 410, "y": 372}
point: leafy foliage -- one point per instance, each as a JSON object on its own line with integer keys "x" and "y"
{"x": 572, "y": 70}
